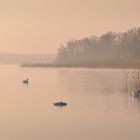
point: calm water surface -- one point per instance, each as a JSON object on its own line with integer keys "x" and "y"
{"x": 98, "y": 106}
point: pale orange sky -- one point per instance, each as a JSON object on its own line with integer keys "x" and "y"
{"x": 40, "y": 26}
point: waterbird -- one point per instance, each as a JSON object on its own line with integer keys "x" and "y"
{"x": 135, "y": 93}
{"x": 25, "y": 81}
{"x": 60, "y": 104}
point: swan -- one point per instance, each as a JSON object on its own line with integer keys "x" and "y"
{"x": 25, "y": 81}
{"x": 135, "y": 93}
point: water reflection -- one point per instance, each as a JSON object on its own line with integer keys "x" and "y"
{"x": 132, "y": 81}
{"x": 25, "y": 85}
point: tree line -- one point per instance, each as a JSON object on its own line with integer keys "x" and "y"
{"x": 110, "y": 46}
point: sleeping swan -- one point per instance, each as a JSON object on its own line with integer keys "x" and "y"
{"x": 61, "y": 104}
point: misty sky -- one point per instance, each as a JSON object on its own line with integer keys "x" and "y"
{"x": 40, "y": 26}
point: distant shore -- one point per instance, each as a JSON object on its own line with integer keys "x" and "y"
{"x": 135, "y": 64}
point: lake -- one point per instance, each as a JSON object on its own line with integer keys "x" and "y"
{"x": 99, "y": 108}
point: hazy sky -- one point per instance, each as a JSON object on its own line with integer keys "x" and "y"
{"x": 40, "y": 26}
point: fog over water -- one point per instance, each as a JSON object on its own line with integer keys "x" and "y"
{"x": 68, "y": 69}
{"x": 98, "y": 106}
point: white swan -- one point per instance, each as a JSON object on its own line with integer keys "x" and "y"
{"x": 135, "y": 93}
{"x": 25, "y": 81}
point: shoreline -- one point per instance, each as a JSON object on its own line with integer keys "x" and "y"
{"x": 108, "y": 65}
